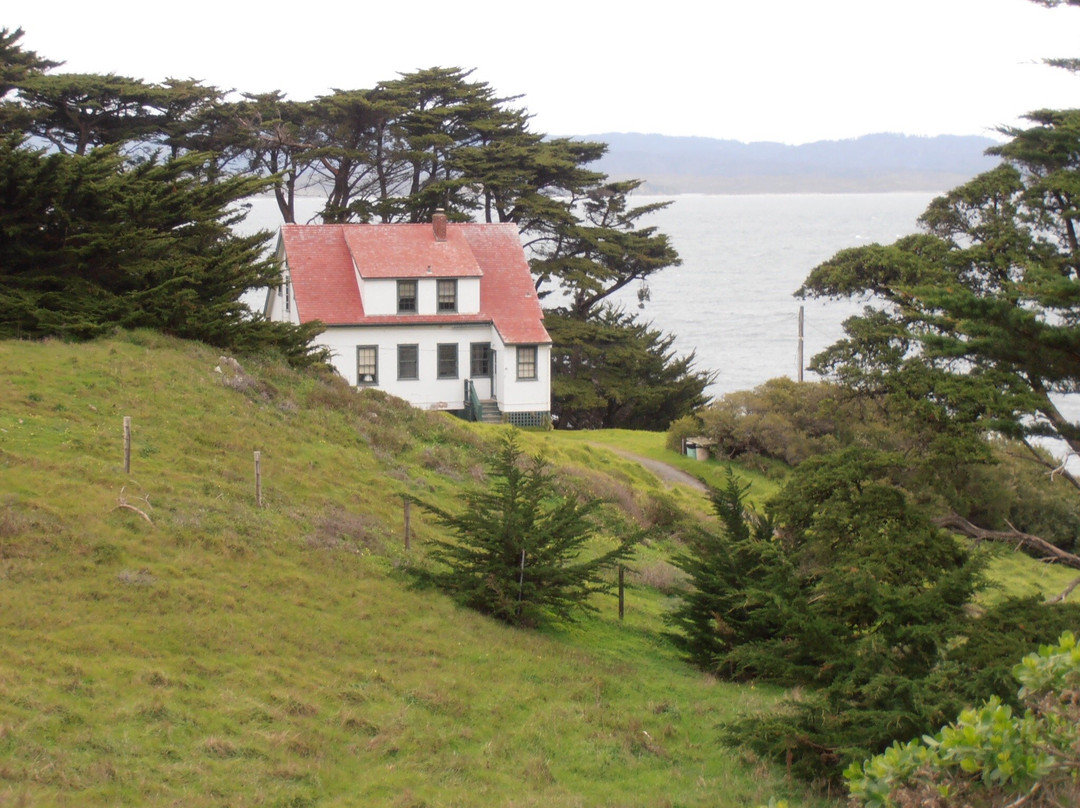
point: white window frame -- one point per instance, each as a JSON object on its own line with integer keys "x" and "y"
{"x": 360, "y": 381}
{"x": 444, "y": 283}
{"x": 523, "y": 352}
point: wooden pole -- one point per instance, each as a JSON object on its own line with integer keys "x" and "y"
{"x": 622, "y": 583}
{"x": 258, "y": 478}
{"x": 408, "y": 509}
{"x": 521, "y": 579}
{"x": 127, "y": 444}
{"x": 801, "y": 308}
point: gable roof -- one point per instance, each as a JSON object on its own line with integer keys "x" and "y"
{"x": 321, "y": 270}
{"x": 325, "y": 260}
{"x": 409, "y": 251}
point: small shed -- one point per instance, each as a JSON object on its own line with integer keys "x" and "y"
{"x": 698, "y": 447}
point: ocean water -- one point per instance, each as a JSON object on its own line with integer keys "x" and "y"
{"x": 732, "y": 299}
{"x": 743, "y": 256}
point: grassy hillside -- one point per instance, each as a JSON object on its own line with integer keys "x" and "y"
{"x": 166, "y": 641}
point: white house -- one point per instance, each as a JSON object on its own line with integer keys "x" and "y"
{"x": 444, "y": 315}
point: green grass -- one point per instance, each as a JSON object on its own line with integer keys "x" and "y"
{"x": 1013, "y": 574}
{"x": 652, "y": 445}
{"x": 1009, "y": 572}
{"x": 228, "y": 654}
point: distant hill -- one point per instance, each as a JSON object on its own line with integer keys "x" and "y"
{"x": 871, "y": 163}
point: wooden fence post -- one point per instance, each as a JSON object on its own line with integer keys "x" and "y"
{"x": 622, "y": 582}
{"x": 258, "y": 478}
{"x": 127, "y": 444}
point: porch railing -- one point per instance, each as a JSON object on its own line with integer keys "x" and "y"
{"x": 473, "y": 409}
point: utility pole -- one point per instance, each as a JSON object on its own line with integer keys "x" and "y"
{"x": 800, "y": 359}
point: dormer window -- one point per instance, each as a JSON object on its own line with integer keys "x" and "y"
{"x": 406, "y": 297}
{"x": 447, "y": 291}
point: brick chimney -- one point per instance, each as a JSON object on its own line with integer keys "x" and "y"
{"x": 438, "y": 223}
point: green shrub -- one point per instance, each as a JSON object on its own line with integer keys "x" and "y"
{"x": 991, "y": 756}
{"x": 783, "y": 420}
{"x": 689, "y": 426}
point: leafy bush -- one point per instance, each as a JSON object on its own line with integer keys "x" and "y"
{"x": 996, "y": 483}
{"x": 852, "y": 593}
{"x": 991, "y": 756}
{"x": 979, "y": 663}
{"x": 781, "y": 419}
{"x": 1014, "y": 490}
{"x": 689, "y": 426}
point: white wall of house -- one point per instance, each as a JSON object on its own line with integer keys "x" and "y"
{"x": 521, "y": 395}
{"x": 380, "y": 296}
{"x": 280, "y": 303}
{"x": 428, "y": 391}
{"x": 468, "y": 295}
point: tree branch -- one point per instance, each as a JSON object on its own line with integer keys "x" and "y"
{"x": 133, "y": 508}
{"x": 1046, "y": 550}
{"x": 1055, "y": 471}
{"x": 121, "y": 502}
{"x": 1024, "y": 797}
{"x": 1065, "y": 593}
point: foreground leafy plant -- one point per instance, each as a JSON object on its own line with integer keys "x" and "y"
{"x": 991, "y": 756}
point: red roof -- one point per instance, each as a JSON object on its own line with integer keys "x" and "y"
{"x": 324, "y": 261}
{"x": 410, "y": 251}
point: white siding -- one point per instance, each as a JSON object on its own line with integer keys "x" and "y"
{"x": 380, "y": 297}
{"x": 280, "y": 303}
{"x": 468, "y": 295}
{"x": 426, "y": 392}
{"x": 468, "y": 290}
{"x": 531, "y": 395}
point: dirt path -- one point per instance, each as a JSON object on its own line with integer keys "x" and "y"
{"x": 669, "y": 474}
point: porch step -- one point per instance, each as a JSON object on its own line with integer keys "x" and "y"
{"x": 490, "y": 412}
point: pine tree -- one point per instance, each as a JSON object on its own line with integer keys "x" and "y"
{"x": 736, "y": 575}
{"x": 522, "y": 553}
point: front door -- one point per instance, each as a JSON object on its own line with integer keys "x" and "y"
{"x": 482, "y": 364}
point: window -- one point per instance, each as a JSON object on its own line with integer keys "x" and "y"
{"x": 367, "y": 364}
{"x": 526, "y": 362}
{"x": 447, "y": 291}
{"x": 406, "y": 297}
{"x": 448, "y": 362}
{"x": 408, "y": 362}
{"x": 480, "y": 360}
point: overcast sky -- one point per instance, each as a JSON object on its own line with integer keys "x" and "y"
{"x": 791, "y": 71}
